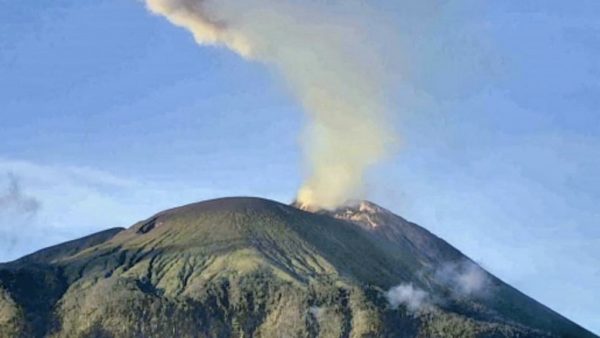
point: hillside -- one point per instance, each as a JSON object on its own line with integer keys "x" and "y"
{"x": 249, "y": 267}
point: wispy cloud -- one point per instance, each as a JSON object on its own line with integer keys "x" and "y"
{"x": 76, "y": 201}
{"x": 46, "y": 173}
{"x": 17, "y": 211}
{"x": 13, "y": 200}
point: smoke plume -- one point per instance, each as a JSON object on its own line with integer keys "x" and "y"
{"x": 464, "y": 278}
{"x": 328, "y": 57}
{"x": 413, "y": 298}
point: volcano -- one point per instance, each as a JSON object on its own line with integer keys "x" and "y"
{"x": 250, "y": 267}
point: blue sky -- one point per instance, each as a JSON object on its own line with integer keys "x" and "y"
{"x": 109, "y": 114}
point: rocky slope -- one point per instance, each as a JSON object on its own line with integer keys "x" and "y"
{"x": 249, "y": 267}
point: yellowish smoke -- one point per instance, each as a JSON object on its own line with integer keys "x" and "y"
{"x": 322, "y": 49}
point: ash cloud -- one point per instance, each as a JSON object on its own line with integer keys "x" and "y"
{"x": 330, "y": 53}
{"x": 413, "y": 298}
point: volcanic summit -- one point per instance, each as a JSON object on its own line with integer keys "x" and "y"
{"x": 250, "y": 267}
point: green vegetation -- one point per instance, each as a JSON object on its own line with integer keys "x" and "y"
{"x": 245, "y": 267}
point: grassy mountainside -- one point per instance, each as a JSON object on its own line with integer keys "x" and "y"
{"x": 248, "y": 267}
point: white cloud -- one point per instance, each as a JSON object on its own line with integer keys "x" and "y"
{"x": 413, "y": 298}
{"x": 14, "y": 201}
{"x": 76, "y": 201}
{"x": 463, "y": 278}
{"x": 16, "y": 209}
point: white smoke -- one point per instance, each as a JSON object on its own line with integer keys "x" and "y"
{"x": 463, "y": 278}
{"x": 414, "y": 299}
{"x": 326, "y": 51}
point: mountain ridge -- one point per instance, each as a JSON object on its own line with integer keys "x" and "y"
{"x": 238, "y": 265}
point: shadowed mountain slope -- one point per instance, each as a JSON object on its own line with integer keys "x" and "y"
{"x": 249, "y": 267}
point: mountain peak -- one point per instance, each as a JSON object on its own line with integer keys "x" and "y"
{"x": 365, "y": 213}
{"x": 247, "y": 266}
{"x": 362, "y": 212}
